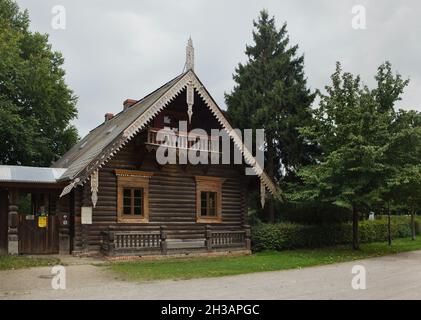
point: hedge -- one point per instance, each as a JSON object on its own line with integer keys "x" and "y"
{"x": 283, "y": 236}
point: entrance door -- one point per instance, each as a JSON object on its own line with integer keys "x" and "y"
{"x": 39, "y": 228}
{"x": 4, "y": 203}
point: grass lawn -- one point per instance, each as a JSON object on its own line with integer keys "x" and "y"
{"x": 264, "y": 261}
{"x": 19, "y": 262}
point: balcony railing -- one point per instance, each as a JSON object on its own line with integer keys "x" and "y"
{"x": 181, "y": 140}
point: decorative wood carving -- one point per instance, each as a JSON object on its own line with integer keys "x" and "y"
{"x": 132, "y": 179}
{"x": 69, "y": 187}
{"x": 210, "y": 184}
{"x": 141, "y": 122}
{"x": 189, "y": 55}
{"x": 132, "y": 173}
{"x": 190, "y": 99}
{"x": 94, "y": 187}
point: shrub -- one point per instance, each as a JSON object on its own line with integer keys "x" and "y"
{"x": 283, "y": 236}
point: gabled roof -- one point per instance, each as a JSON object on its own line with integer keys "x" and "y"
{"x": 81, "y": 154}
{"x": 103, "y": 142}
{"x": 30, "y": 174}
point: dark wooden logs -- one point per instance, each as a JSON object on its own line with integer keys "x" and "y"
{"x": 172, "y": 200}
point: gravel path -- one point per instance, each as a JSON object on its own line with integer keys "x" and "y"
{"x": 389, "y": 277}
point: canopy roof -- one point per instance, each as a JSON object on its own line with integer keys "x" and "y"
{"x": 30, "y": 174}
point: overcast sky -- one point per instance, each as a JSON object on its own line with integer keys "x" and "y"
{"x": 115, "y": 50}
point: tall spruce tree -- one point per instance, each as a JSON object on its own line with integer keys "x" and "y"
{"x": 271, "y": 93}
{"x": 36, "y": 105}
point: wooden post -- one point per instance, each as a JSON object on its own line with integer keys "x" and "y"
{"x": 13, "y": 235}
{"x": 163, "y": 235}
{"x": 110, "y": 241}
{"x": 247, "y": 237}
{"x": 208, "y": 236}
{"x": 64, "y": 230}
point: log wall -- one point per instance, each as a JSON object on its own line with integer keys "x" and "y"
{"x": 172, "y": 198}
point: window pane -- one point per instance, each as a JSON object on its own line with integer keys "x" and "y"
{"x": 137, "y": 202}
{"x": 212, "y": 204}
{"x": 203, "y": 211}
{"x": 132, "y": 201}
{"x": 212, "y": 199}
{"x": 212, "y": 212}
{"x": 203, "y": 204}
{"x": 138, "y": 211}
{"x": 138, "y": 193}
{"x": 126, "y": 202}
{"x": 126, "y": 210}
{"x": 203, "y": 197}
{"x": 208, "y": 203}
{"x": 127, "y": 193}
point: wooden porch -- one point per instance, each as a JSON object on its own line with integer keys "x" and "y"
{"x": 33, "y": 220}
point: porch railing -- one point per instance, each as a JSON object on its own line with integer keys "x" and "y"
{"x": 129, "y": 242}
{"x": 117, "y": 243}
{"x": 181, "y": 140}
{"x": 227, "y": 238}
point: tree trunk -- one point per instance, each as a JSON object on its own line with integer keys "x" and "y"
{"x": 355, "y": 240}
{"x": 413, "y": 224}
{"x": 389, "y": 229}
{"x": 271, "y": 212}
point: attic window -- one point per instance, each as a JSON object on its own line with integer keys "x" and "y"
{"x": 111, "y": 129}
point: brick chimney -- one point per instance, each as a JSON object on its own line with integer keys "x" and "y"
{"x": 128, "y": 103}
{"x": 108, "y": 116}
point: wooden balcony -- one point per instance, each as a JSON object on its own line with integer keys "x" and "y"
{"x": 180, "y": 140}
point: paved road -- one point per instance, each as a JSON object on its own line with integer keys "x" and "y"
{"x": 390, "y": 277}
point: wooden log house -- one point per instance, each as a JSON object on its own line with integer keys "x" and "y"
{"x": 109, "y": 194}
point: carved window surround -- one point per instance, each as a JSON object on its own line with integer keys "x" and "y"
{"x": 133, "y": 179}
{"x": 209, "y": 184}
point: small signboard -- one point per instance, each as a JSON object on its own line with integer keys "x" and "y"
{"x": 29, "y": 217}
{"x": 42, "y": 222}
{"x": 86, "y": 215}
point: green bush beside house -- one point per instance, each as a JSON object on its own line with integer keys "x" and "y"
{"x": 283, "y": 236}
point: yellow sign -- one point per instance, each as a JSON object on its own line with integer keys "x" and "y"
{"x": 42, "y": 222}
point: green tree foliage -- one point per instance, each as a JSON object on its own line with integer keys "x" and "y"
{"x": 36, "y": 105}
{"x": 353, "y": 132}
{"x": 271, "y": 93}
{"x": 403, "y": 156}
